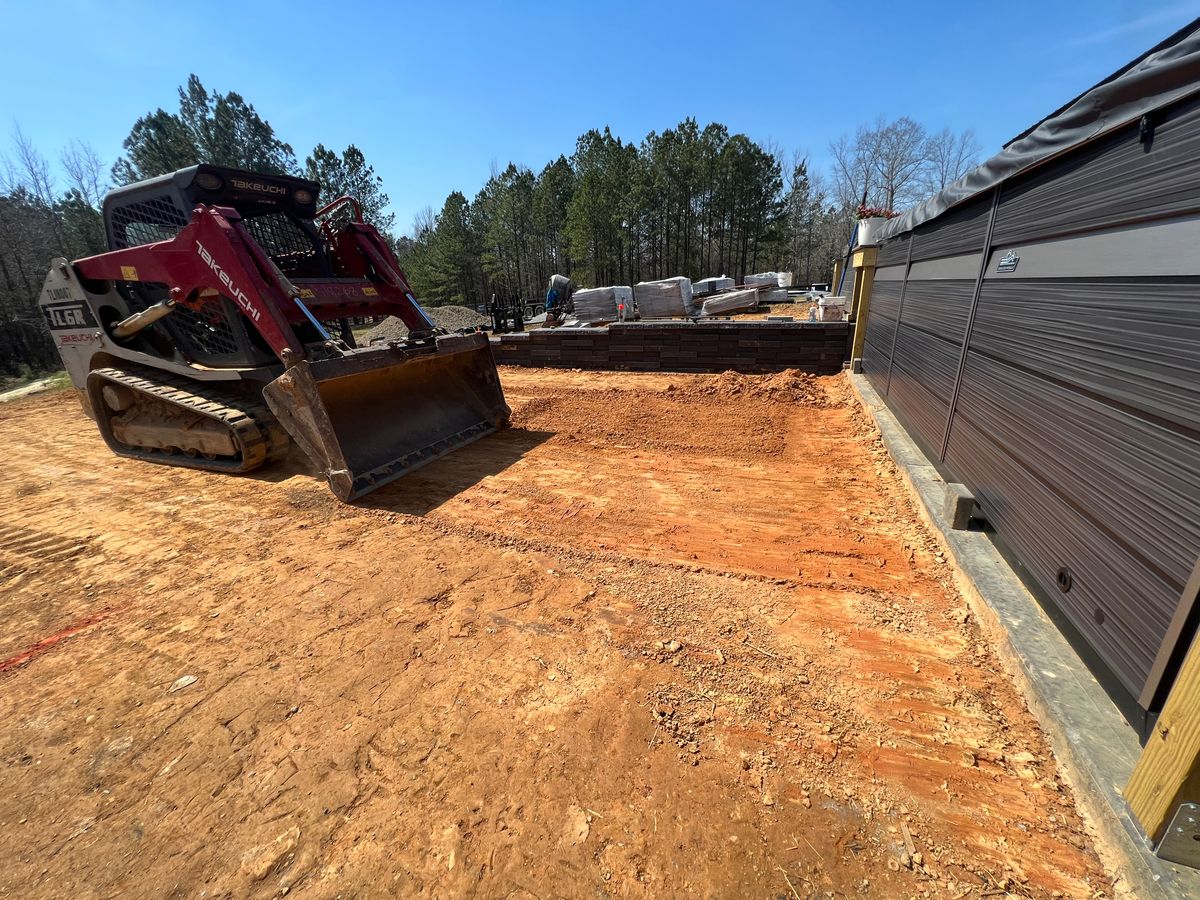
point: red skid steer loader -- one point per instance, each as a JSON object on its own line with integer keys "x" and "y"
{"x": 223, "y": 289}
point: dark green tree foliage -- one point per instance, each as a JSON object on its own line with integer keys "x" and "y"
{"x": 443, "y": 261}
{"x": 349, "y": 174}
{"x": 552, "y": 194}
{"x": 688, "y": 201}
{"x": 210, "y": 127}
{"x": 158, "y": 143}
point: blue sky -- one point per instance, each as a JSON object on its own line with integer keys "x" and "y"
{"x": 434, "y": 92}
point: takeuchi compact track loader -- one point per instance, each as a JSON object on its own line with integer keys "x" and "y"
{"x": 215, "y": 328}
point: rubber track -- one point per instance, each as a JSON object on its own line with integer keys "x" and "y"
{"x": 256, "y": 432}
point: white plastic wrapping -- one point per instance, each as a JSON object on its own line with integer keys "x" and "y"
{"x": 774, "y": 279}
{"x": 730, "y": 301}
{"x": 671, "y": 297}
{"x": 596, "y": 305}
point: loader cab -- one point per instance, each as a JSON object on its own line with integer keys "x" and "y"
{"x": 278, "y": 212}
{"x": 276, "y": 209}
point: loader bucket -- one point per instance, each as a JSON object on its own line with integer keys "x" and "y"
{"x": 376, "y": 414}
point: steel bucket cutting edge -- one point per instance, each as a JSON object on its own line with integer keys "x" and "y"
{"x": 378, "y": 413}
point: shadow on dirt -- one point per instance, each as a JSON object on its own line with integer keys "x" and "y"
{"x": 441, "y": 480}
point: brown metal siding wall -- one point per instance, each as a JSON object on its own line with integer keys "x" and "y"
{"x": 961, "y": 230}
{"x": 881, "y": 331}
{"x": 1077, "y": 418}
{"x": 893, "y": 252}
{"x": 1110, "y": 182}
{"x": 927, "y": 351}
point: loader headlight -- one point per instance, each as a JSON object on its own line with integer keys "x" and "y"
{"x": 302, "y": 196}
{"x": 208, "y": 181}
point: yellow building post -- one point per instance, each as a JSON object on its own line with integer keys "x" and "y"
{"x": 863, "y": 263}
{"x": 1168, "y": 771}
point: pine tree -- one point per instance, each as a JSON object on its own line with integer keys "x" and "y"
{"x": 221, "y": 129}
{"x": 350, "y": 175}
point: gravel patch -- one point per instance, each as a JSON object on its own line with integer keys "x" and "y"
{"x": 449, "y": 317}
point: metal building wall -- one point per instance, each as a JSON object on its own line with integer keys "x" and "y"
{"x": 1073, "y": 412}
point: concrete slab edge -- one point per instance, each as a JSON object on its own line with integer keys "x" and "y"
{"x": 1095, "y": 747}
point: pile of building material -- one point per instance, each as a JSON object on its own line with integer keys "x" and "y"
{"x": 665, "y": 299}
{"x": 713, "y": 285}
{"x": 772, "y": 279}
{"x": 596, "y": 306}
{"x": 730, "y": 302}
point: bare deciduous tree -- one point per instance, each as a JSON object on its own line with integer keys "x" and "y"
{"x": 948, "y": 157}
{"x": 86, "y": 172}
{"x": 424, "y": 221}
{"x": 896, "y": 164}
{"x": 30, "y": 169}
{"x": 899, "y": 154}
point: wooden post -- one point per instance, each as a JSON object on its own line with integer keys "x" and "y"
{"x": 863, "y": 262}
{"x": 1168, "y": 771}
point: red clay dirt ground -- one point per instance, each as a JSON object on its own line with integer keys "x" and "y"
{"x": 666, "y": 636}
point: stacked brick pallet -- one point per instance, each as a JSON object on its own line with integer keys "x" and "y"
{"x": 819, "y": 348}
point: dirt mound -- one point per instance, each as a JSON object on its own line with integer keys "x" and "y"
{"x": 653, "y": 420}
{"x": 788, "y": 386}
{"x": 450, "y": 317}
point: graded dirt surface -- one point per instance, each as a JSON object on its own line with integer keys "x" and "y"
{"x": 667, "y": 636}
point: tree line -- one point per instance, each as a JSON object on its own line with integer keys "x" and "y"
{"x": 689, "y": 200}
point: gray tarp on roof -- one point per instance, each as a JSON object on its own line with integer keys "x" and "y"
{"x": 1168, "y": 72}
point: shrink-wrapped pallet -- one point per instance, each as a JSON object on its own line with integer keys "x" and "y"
{"x": 770, "y": 279}
{"x": 596, "y": 305}
{"x": 671, "y": 297}
{"x": 730, "y": 301}
{"x": 713, "y": 285}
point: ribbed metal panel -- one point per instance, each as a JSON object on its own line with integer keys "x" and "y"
{"x": 1135, "y": 342}
{"x": 940, "y": 307}
{"x": 1095, "y": 186}
{"x": 1133, "y": 477}
{"x": 1076, "y": 408}
{"x": 922, "y": 378}
{"x": 961, "y": 230}
{"x": 1078, "y": 427}
{"x": 893, "y": 252}
{"x": 927, "y": 350}
{"x": 881, "y": 331}
{"x": 875, "y": 366}
{"x": 1107, "y": 603}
